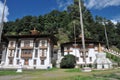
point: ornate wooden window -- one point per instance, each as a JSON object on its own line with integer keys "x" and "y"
{"x": 42, "y": 62}
{"x": 26, "y": 43}
{"x": 43, "y": 53}
{"x": 43, "y": 42}
{"x": 10, "y": 52}
{"x": 26, "y": 54}
{"x": 11, "y": 44}
{"x": 36, "y": 44}
{"x": 26, "y": 51}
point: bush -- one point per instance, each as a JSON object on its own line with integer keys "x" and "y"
{"x": 68, "y": 61}
{"x": 11, "y": 33}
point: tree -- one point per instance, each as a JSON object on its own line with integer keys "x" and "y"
{"x": 60, "y": 24}
{"x": 73, "y": 10}
{"x": 68, "y": 61}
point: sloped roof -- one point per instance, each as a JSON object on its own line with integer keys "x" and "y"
{"x": 53, "y": 38}
{"x": 79, "y": 41}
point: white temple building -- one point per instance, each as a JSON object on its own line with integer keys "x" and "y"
{"x": 92, "y": 49}
{"x": 36, "y": 51}
{"x": 32, "y": 51}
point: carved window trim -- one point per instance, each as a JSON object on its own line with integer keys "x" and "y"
{"x": 42, "y": 62}
{"x": 11, "y": 43}
{"x": 43, "y": 42}
{"x": 27, "y": 43}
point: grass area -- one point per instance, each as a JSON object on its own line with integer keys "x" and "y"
{"x": 13, "y": 72}
{"x": 87, "y": 78}
{"x": 64, "y": 74}
{"x": 8, "y": 72}
{"x": 73, "y": 70}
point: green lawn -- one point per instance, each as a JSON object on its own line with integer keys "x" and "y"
{"x": 63, "y": 74}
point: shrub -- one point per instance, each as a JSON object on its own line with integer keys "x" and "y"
{"x": 68, "y": 61}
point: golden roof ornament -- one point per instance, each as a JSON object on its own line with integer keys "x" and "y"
{"x": 34, "y": 31}
{"x": 99, "y": 48}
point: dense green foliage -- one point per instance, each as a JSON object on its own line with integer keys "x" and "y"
{"x": 114, "y": 58}
{"x": 68, "y": 61}
{"x": 60, "y": 24}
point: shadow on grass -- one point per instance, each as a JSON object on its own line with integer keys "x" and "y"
{"x": 73, "y": 70}
{"x": 108, "y": 76}
{"x": 87, "y": 78}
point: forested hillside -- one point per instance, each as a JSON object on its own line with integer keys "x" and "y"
{"x": 61, "y": 24}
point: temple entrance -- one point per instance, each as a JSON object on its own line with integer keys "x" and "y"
{"x": 26, "y": 62}
{"x": 103, "y": 66}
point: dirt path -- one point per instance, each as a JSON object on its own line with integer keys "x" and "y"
{"x": 10, "y": 77}
{"x": 39, "y": 76}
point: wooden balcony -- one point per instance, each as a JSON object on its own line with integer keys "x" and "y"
{"x": 81, "y": 50}
{"x": 42, "y": 57}
{"x": 67, "y": 50}
{"x": 11, "y": 48}
{"x": 43, "y": 47}
{"x": 90, "y": 46}
{"x": 27, "y": 47}
{"x": 26, "y": 55}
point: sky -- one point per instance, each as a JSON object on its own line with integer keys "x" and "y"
{"x": 14, "y": 9}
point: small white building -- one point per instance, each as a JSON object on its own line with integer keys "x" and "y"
{"x": 76, "y": 50}
{"x": 32, "y": 51}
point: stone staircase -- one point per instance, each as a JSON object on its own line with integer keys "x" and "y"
{"x": 112, "y": 52}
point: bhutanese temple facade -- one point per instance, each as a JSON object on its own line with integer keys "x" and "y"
{"x": 91, "y": 49}
{"x": 31, "y": 51}
{"x": 37, "y": 51}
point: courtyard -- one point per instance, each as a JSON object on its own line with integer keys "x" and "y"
{"x": 60, "y": 74}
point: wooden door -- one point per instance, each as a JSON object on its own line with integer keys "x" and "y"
{"x": 26, "y": 62}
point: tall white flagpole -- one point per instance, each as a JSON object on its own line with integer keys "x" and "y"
{"x": 2, "y": 20}
{"x": 82, "y": 31}
{"x": 75, "y": 45}
{"x": 106, "y": 36}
